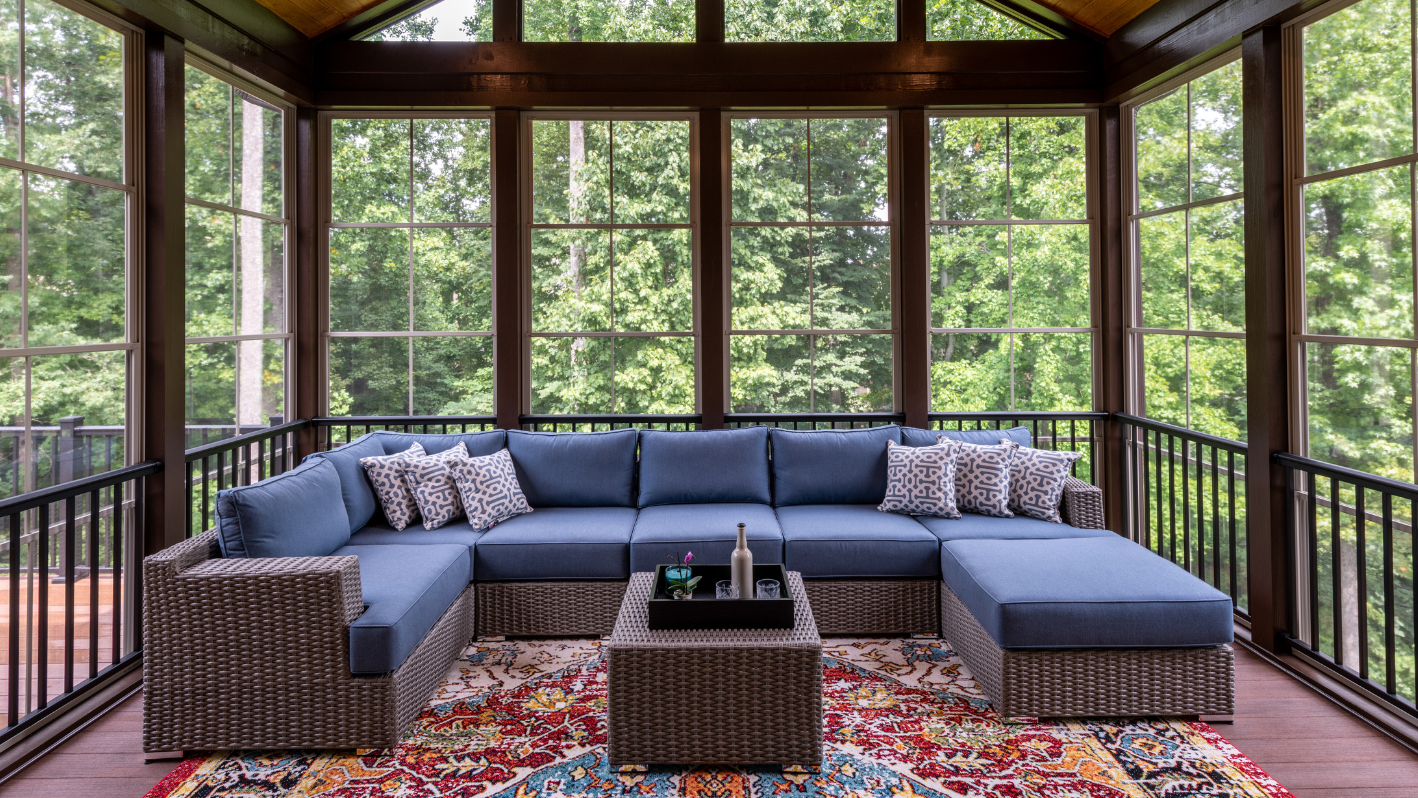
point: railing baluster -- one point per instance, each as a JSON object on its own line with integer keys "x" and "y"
{"x": 16, "y": 533}
{"x": 93, "y": 583}
{"x": 1390, "y": 636}
{"x": 1146, "y": 488}
{"x": 1216, "y": 517}
{"x": 1362, "y": 572}
{"x": 1314, "y": 534}
{"x": 1336, "y": 574}
{"x": 42, "y": 612}
{"x": 115, "y": 528}
{"x": 1172, "y": 494}
{"x": 1231, "y": 515}
{"x": 191, "y": 484}
{"x": 69, "y": 556}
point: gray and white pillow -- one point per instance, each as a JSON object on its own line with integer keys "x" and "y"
{"x": 1036, "y": 481}
{"x": 386, "y": 474}
{"x": 489, "y": 488}
{"x": 433, "y": 487}
{"x": 920, "y": 480}
{"x": 982, "y": 478}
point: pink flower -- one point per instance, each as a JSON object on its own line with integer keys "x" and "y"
{"x": 687, "y": 557}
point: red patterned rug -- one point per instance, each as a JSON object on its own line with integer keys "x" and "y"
{"x": 902, "y": 718}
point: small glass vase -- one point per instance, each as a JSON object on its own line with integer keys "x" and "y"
{"x": 677, "y": 573}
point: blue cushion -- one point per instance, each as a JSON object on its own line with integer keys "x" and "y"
{"x": 911, "y": 436}
{"x": 722, "y": 465}
{"x": 856, "y": 541}
{"x": 406, "y": 590}
{"x": 1083, "y": 593}
{"x": 708, "y": 530}
{"x": 830, "y": 466}
{"x": 559, "y": 543}
{"x": 295, "y": 514}
{"x": 575, "y": 469}
{"x": 480, "y": 444}
{"x": 457, "y": 532}
{"x": 360, "y": 503}
{"x": 973, "y": 526}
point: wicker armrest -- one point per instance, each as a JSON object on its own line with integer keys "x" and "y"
{"x": 1082, "y": 504}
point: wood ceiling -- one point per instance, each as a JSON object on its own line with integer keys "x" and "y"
{"x": 313, "y": 17}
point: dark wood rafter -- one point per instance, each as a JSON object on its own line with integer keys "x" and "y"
{"x": 1269, "y": 564}
{"x": 914, "y": 289}
{"x": 162, "y": 369}
{"x": 1111, "y": 306}
{"x": 711, "y": 239}
{"x": 1039, "y": 16}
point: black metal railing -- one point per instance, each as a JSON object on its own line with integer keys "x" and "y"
{"x": 58, "y": 453}
{"x": 1353, "y": 562}
{"x": 809, "y": 421}
{"x": 594, "y": 423}
{"x": 68, "y": 553}
{"x": 243, "y": 460}
{"x": 337, "y": 431}
{"x": 1184, "y": 498}
{"x": 1076, "y": 431}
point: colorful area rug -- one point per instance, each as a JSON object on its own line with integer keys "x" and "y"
{"x": 902, "y": 718}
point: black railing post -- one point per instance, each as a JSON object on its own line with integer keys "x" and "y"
{"x": 68, "y": 448}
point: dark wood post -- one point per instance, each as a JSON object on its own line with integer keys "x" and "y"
{"x": 506, "y": 268}
{"x": 709, "y": 20}
{"x": 1268, "y": 410}
{"x": 911, "y": 20}
{"x": 1112, "y": 311}
{"x": 164, "y": 291}
{"x": 713, "y": 271}
{"x": 506, "y": 20}
{"x": 915, "y": 270}
{"x": 308, "y": 357}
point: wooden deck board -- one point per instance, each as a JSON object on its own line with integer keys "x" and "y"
{"x": 1309, "y": 744}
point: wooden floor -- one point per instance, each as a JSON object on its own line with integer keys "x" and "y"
{"x": 1310, "y": 745}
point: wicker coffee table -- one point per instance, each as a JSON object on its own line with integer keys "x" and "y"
{"x": 713, "y": 696}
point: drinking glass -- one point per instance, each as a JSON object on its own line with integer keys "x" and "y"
{"x": 725, "y": 590}
{"x": 768, "y": 588}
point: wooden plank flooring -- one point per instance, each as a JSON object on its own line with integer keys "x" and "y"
{"x": 1310, "y": 745}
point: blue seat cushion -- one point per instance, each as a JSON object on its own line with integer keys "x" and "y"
{"x": 912, "y": 436}
{"x": 575, "y": 469}
{"x": 973, "y": 526}
{"x": 480, "y": 444}
{"x": 709, "y": 530}
{"x": 1083, "y": 593}
{"x": 296, "y": 514}
{"x": 559, "y": 543}
{"x": 830, "y": 466}
{"x": 358, "y": 494}
{"x": 836, "y": 540}
{"x": 722, "y": 465}
{"x": 459, "y": 533}
{"x": 406, "y": 590}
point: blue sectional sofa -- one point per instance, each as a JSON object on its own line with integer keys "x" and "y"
{"x": 311, "y": 547}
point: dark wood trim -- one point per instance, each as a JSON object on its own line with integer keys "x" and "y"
{"x": 506, "y": 20}
{"x": 713, "y": 288}
{"x": 164, "y": 287}
{"x": 1041, "y": 16}
{"x": 914, "y": 289}
{"x": 1267, "y": 337}
{"x": 1111, "y": 308}
{"x": 507, "y": 268}
{"x": 709, "y": 20}
{"x": 911, "y": 25}
{"x": 306, "y": 297}
{"x": 372, "y": 19}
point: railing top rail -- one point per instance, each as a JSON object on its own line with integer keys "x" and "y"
{"x": 613, "y": 418}
{"x": 228, "y": 444}
{"x": 1027, "y": 415}
{"x": 842, "y": 417}
{"x": 1362, "y": 479}
{"x": 33, "y": 499}
{"x": 1182, "y": 432}
{"x": 394, "y": 421}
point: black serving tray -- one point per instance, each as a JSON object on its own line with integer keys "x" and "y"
{"x": 704, "y": 611}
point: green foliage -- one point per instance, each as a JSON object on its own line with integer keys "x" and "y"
{"x": 809, "y": 21}
{"x": 968, "y": 20}
{"x": 449, "y": 20}
{"x": 608, "y": 21}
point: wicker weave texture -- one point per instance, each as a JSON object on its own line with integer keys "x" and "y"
{"x": 254, "y": 654}
{"x": 875, "y": 606}
{"x": 1082, "y": 504}
{"x": 725, "y": 697}
{"x": 548, "y": 609}
{"x": 1098, "y": 682}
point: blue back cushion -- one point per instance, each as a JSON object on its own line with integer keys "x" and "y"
{"x": 360, "y": 503}
{"x": 830, "y": 466}
{"x": 297, "y": 514}
{"x": 722, "y": 465}
{"x": 911, "y": 436}
{"x": 575, "y": 469}
{"x": 480, "y": 444}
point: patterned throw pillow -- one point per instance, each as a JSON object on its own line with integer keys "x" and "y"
{"x": 920, "y": 480}
{"x": 386, "y": 474}
{"x": 1036, "y": 481}
{"x": 489, "y": 488}
{"x": 982, "y": 478}
{"x": 433, "y": 487}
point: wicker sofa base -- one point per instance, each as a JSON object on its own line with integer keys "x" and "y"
{"x": 874, "y": 606}
{"x": 1099, "y": 682}
{"x": 548, "y": 609}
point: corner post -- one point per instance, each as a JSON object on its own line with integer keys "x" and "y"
{"x": 507, "y": 269}
{"x": 914, "y": 270}
{"x": 1112, "y": 312}
{"x": 308, "y": 354}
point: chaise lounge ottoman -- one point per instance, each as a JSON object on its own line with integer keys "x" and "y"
{"x": 1083, "y": 627}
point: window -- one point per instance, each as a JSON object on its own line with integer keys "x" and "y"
{"x": 612, "y": 268}
{"x": 602, "y": 21}
{"x": 446, "y": 21}
{"x": 66, "y": 188}
{"x": 970, "y": 20}
{"x": 811, "y": 249}
{"x": 1188, "y": 325}
{"x": 237, "y": 230}
{"x": 1011, "y": 259}
{"x": 809, "y": 21}
{"x": 1355, "y": 202}
{"x": 409, "y": 252}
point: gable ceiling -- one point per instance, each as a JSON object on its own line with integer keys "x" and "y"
{"x": 313, "y": 17}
